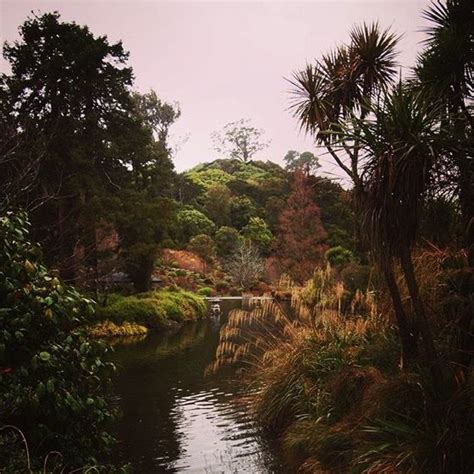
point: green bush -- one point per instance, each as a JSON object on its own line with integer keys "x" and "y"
{"x": 155, "y": 309}
{"x": 205, "y": 291}
{"x": 108, "y": 329}
{"x": 222, "y": 285}
{"x": 339, "y": 256}
{"x": 133, "y": 310}
{"x": 192, "y": 222}
{"x": 52, "y": 379}
{"x": 227, "y": 240}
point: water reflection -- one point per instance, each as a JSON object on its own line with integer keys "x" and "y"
{"x": 175, "y": 419}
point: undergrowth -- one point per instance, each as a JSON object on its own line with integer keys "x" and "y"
{"x": 155, "y": 309}
{"x": 326, "y": 381}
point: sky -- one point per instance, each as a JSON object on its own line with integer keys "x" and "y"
{"x": 223, "y": 61}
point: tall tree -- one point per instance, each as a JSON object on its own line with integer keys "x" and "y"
{"x": 445, "y": 72}
{"x": 217, "y": 202}
{"x": 239, "y": 140}
{"x": 73, "y": 87}
{"x": 305, "y": 160}
{"x": 401, "y": 143}
{"x": 96, "y": 146}
{"x": 340, "y": 87}
{"x": 301, "y": 237}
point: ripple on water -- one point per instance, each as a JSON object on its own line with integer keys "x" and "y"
{"x": 218, "y": 437}
{"x": 175, "y": 419}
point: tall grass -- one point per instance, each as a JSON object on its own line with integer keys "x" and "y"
{"x": 324, "y": 378}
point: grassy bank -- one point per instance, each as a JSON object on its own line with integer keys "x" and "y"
{"x": 329, "y": 386}
{"x": 155, "y": 310}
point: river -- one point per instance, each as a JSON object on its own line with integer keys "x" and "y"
{"x": 175, "y": 419}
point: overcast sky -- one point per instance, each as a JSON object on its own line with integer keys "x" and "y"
{"x": 223, "y": 61}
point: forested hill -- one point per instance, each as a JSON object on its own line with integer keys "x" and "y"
{"x": 229, "y": 192}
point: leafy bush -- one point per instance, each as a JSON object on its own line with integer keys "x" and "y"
{"x": 227, "y": 240}
{"x": 339, "y": 256}
{"x": 192, "y": 222}
{"x": 222, "y": 285}
{"x": 258, "y": 233}
{"x": 203, "y": 246}
{"x": 52, "y": 379}
{"x": 205, "y": 291}
{"x": 134, "y": 310}
{"x": 155, "y": 309}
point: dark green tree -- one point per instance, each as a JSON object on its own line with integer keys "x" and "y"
{"x": 217, "y": 203}
{"x": 258, "y": 233}
{"x": 192, "y": 222}
{"x": 227, "y": 240}
{"x": 67, "y": 91}
{"x": 242, "y": 209}
{"x": 445, "y": 73}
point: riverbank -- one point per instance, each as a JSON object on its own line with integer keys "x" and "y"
{"x": 327, "y": 383}
{"x": 152, "y": 311}
{"x": 177, "y": 419}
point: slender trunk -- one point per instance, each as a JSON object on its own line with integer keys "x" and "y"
{"x": 407, "y": 336}
{"x": 422, "y": 323}
{"x": 66, "y": 257}
{"x": 466, "y": 199}
{"x": 95, "y": 263}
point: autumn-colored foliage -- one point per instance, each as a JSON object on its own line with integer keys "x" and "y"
{"x": 301, "y": 236}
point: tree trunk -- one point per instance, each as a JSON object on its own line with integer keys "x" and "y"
{"x": 422, "y": 323}
{"x": 407, "y": 335}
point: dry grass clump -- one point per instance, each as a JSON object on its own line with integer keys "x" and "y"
{"x": 108, "y": 329}
{"x": 325, "y": 380}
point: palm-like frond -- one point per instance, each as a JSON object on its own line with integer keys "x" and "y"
{"x": 343, "y": 82}
{"x": 401, "y": 143}
{"x": 344, "y": 93}
{"x": 447, "y": 62}
{"x": 375, "y": 53}
{"x": 309, "y": 101}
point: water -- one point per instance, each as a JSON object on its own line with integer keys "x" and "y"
{"x": 177, "y": 420}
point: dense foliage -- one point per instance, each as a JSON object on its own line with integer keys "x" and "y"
{"x": 96, "y": 153}
{"x": 53, "y": 380}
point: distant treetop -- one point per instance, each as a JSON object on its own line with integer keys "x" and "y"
{"x": 239, "y": 140}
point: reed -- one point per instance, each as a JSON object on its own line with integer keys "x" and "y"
{"x": 324, "y": 379}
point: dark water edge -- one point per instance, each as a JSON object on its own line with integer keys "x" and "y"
{"x": 176, "y": 419}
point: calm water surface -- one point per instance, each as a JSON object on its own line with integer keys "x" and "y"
{"x": 177, "y": 420}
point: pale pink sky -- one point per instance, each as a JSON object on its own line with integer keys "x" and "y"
{"x": 223, "y": 61}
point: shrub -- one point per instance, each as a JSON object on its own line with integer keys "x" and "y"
{"x": 192, "y": 222}
{"x": 339, "y": 256}
{"x": 357, "y": 277}
{"x": 203, "y": 246}
{"x": 258, "y": 233}
{"x": 205, "y": 291}
{"x": 52, "y": 379}
{"x": 108, "y": 329}
{"x": 222, "y": 285}
{"x": 134, "y": 310}
{"x": 227, "y": 240}
{"x": 155, "y": 309}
